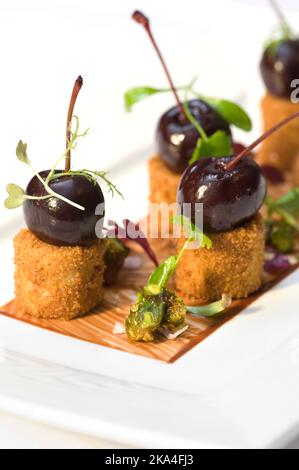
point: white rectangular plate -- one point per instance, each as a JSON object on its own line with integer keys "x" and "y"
{"x": 243, "y": 374}
{"x": 238, "y": 388}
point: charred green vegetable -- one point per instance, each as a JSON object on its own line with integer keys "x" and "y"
{"x": 146, "y": 316}
{"x": 156, "y": 306}
{"x": 175, "y": 314}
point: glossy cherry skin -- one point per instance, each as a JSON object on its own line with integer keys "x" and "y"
{"x": 177, "y": 137}
{"x": 55, "y": 221}
{"x": 280, "y": 67}
{"x": 229, "y": 198}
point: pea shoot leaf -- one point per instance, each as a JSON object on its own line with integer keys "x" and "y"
{"x": 136, "y": 94}
{"x": 213, "y": 308}
{"x": 231, "y": 112}
{"x": 192, "y": 231}
{"x": 161, "y": 275}
{"x": 21, "y": 152}
{"x": 218, "y": 145}
{"x": 16, "y": 196}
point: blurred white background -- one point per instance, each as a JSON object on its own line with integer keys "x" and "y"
{"x": 46, "y": 44}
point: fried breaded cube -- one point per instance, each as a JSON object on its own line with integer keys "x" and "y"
{"x": 234, "y": 265}
{"x": 163, "y": 185}
{"x": 281, "y": 150}
{"x": 57, "y": 282}
{"x": 162, "y": 181}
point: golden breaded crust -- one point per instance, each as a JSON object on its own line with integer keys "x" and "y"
{"x": 234, "y": 265}
{"x": 57, "y": 282}
{"x": 163, "y": 182}
{"x": 163, "y": 185}
{"x": 282, "y": 148}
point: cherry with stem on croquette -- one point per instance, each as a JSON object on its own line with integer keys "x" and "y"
{"x": 176, "y": 136}
{"x": 280, "y": 61}
{"x": 232, "y": 189}
{"x": 53, "y": 219}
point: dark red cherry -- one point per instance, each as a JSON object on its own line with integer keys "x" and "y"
{"x": 280, "y": 66}
{"x": 177, "y": 137}
{"x": 55, "y": 221}
{"x": 230, "y": 198}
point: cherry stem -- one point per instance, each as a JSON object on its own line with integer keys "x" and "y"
{"x": 77, "y": 87}
{"x": 280, "y": 15}
{"x": 140, "y": 18}
{"x": 264, "y": 136}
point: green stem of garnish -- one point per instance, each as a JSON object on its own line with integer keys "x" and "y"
{"x": 17, "y": 195}
{"x": 77, "y": 87}
{"x": 213, "y": 308}
{"x": 37, "y": 198}
{"x": 193, "y": 121}
{"x": 50, "y": 192}
{"x": 161, "y": 275}
{"x": 92, "y": 176}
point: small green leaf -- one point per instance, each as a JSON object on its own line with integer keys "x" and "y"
{"x": 136, "y": 94}
{"x": 16, "y": 196}
{"x": 192, "y": 231}
{"x": 286, "y": 206}
{"x": 288, "y": 202}
{"x": 218, "y": 145}
{"x": 212, "y": 309}
{"x": 161, "y": 275}
{"x": 231, "y": 112}
{"x": 21, "y": 152}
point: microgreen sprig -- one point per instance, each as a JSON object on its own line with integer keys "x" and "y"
{"x": 218, "y": 144}
{"x": 17, "y": 195}
{"x": 161, "y": 275}
{"x": 93, "y": 176}
{"x": 72, "y": 141}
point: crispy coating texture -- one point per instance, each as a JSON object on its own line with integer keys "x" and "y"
{"x": 163, "y": 185}
{"x": 282, "y": 148}
{"x": 57, "y": 282}
{"x": 234, "y": 265}
{"x": 163, "y": 182}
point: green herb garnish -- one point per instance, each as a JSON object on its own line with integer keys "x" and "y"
{"x": 17, "y": 195}
{"x": 156, "y": 306}
{"x": 230, "y": 111}
{"x": 282, "y": 227}
{"x": 218, "y": 145}
{"x": 286, "y": 207}
{"x": 136, "y": 94}
{"x": 213, "y": 308}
